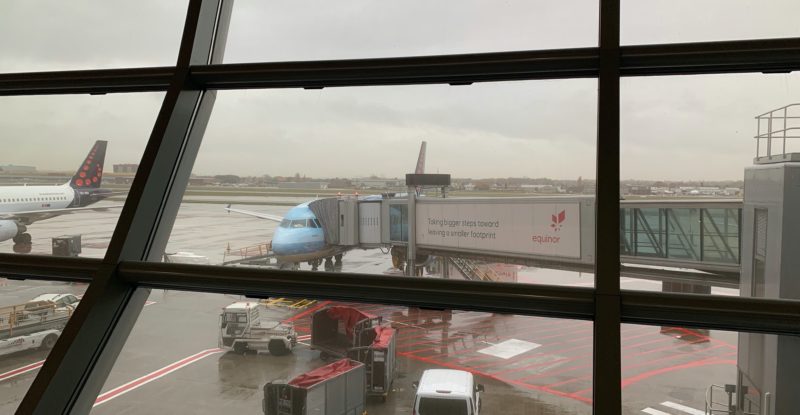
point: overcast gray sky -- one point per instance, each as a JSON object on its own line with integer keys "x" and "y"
{"x": 697, "y": 127}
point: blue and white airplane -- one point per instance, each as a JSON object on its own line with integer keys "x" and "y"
{"x": 20, "y": 206}
{"x": 300, "y": 236}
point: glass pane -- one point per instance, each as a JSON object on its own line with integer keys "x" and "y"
{"x": 186, "y": 354}
{"x": 51, "y": 35}
{"x": 314, "y": 29}
{"x": 32, "y": 316}
{"x": 675, "y": 21}
{"x": 711, "y": 184}
{"x": 674, "y": 370}
{"x": 67, "y": 167}
{"x": 520, "y": 156}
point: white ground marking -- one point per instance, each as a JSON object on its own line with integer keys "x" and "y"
{"x": 139, "y": 382}
{"x": 509, "y": 348}
{"x": 683, "y": 408}
{"x": 652, "y": 411}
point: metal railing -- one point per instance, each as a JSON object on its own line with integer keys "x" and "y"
{"x": 726, "y": 405}
{"x": 779, "y": 124}
{"x": 472, "y": 271}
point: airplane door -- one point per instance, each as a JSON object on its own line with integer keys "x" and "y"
{"x": 348, "y": 222}
{"x": 369, "y": 223}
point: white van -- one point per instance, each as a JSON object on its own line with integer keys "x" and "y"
{"x": 447, "y": 392}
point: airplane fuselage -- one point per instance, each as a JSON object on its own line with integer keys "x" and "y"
{"x": 29, "y": 198}
{"x": 15, "y": 199}
{"x": 300, "y": 237}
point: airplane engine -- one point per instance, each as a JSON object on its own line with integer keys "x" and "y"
{"x": 9, "y": 229}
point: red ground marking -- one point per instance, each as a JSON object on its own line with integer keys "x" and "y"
{"x": 538, "y": 339}
{"x": 558, "y": 372}
{"x": 561, "y": 351}
{"x": 530, "y": 366}
{"x": 425, "y": 332}
{"x": 307, "y": 311}
{"x": 703, "y": 336}
{"x": 524, "y": 357}
{"x": 490, "y": 376}
{"x": 642, "y": 376}
{"x": 658, "y": 340}
{"x": 572, "y": 358}
{"x": 672, "y": 346}
{"x": 136, "y": 383}
{"x": 642, "y": 364}
{"x": 20, "y": 370}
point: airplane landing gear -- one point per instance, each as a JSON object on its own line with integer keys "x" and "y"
{"x": 22, "y": 238}
{"x": 315, "y": 264}
{"x": 398, "y": 258}
{"x": 329, "y": 264}
{"x": 23, "y": 248}
{"x": 22, "y": 243}
{"x": 289, "y": 266}
{"x": 337, "y": 266}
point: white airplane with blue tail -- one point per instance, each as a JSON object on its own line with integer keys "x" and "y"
{"x": 300, "y": 235}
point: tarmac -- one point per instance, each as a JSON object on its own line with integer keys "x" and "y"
{"x": 529, "y": 365}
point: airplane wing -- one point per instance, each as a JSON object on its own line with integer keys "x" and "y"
{"x": 259, "y": 215}
{"x": 31, "y": 216}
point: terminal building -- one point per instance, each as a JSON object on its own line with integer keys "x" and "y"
{"x": 14, "y": 169}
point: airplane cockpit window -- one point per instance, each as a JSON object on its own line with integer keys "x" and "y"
{"x": 311, "y": 223}
{"x": 285, "y": 223}
{"x": 299, "y": 223}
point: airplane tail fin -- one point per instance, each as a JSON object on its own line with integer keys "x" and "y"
{"x": 421, "y": 159}
{"x": 90, "y": 172}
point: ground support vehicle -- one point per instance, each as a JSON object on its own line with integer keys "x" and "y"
{"x": 379, "y": 361}
{"x": 241, "y": 329}
{"x": 32, "y": 325}
{"x": 334, "y": 389}
{"x": 336, "y": 330}
{"x": 40, "y": 340}
{"x": 348, "y": 332}
{"x": 446, "y": 391}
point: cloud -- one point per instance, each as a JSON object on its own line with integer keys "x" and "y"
{"x": 672, "y": 127}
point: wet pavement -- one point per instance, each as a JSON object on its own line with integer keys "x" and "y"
{"x": 529, "y": 365}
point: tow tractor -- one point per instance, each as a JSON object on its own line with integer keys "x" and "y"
{"x": 32, "y": 325}
{"x": 241, "y": 329}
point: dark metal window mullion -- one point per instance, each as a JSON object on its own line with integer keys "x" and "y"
{"x": 607, "y": 391}
{"x": 79, "y": 364}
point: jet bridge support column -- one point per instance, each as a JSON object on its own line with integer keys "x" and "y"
{"x": 768, "y": 365}
{"x": 412, "y": 232}
{"x": 416, "y": 181}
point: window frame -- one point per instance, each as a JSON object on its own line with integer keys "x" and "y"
{"x": 79, "y": 364}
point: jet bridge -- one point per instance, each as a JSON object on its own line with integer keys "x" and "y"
{"x": 549, "y": 232}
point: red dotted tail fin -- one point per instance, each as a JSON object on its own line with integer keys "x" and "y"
{"x": 90, "y": 172}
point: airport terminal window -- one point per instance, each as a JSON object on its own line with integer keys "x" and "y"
{"x": 666, "y": 122}
{"x": 60, "y": 170}
{"x": 32, "y": 316}
{"x": 692, "y": 370}
{"x": 105, "y": 34}
{"x": 355, "y": 146}
{"x": 671, "y": 21}
{"x": 179, "y": 358}
{"x": 311, "y": 30}
{"x": 696, "y": 217}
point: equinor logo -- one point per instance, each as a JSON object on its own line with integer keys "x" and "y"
{"x": 558, "y": 220}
